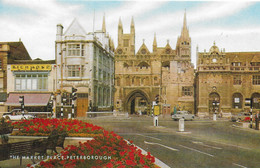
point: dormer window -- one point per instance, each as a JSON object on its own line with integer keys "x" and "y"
{"x": 236, "y": 63}
{"x": 255, "y": 63}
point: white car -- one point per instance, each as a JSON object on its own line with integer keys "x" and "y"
{"x": 16, "y": 114}
{"x": 183, "y": 114}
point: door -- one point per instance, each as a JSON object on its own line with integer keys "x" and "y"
{"x": 82, "y": 105}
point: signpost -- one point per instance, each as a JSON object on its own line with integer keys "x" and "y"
{"x": 156, "y": 112}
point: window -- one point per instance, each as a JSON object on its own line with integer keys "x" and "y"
{"x": 126, "y": 43}
{"x": 28, "y": 82}
{"x": 187, "y": 91}
{"x": 236, "y": 63}
{"x": 256, "y": 79}
{"x": 237, "y": 80}
{"x": 73, "y": 70}
{"x": 76, "y": 50}
{"x": 0, "y": 64}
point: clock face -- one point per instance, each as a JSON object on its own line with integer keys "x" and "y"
{"x": 214, "y": 60}
{"x": 120, "y": 51}
{"x": 168, "y": 51}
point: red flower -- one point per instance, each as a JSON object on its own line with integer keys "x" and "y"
{"x": 109, "y": 165}
{"x": 130, "y": 163}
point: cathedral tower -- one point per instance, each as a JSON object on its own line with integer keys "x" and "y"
{"x": 183, "y": 47}
{"x": 126, "y": 42}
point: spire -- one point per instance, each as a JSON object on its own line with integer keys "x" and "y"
{"x": 154, "y": 40}
{"x": 120, "y": 23}
{"x": 132, "y": 27}
{"x": 132, "y": 22}
{"x": 104, "y": 25}
{"x": 185, "y": 32}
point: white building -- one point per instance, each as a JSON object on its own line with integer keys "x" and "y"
{"x": 86, "y": 61}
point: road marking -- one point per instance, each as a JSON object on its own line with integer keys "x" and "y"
{"x": 152, "y": 143}
{"x": 239, "y": 165}
{"x": 197, "y": 150}
{"x": 149, "y": 137}
{"x": 202, "y": 144}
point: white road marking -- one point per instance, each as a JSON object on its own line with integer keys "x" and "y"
{"x": 197, "y": 150}
{"x": 152, "y": 143}
{"x": 149, "y": 137}
{"x": 202, "y": 144}
{"x": 239, "y": 165}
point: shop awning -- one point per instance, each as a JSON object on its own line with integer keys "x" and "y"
{"x": 30, "y": 99}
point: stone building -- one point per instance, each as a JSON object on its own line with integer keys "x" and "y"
{"x": 86, "y": 61}
{"x": 225, "y": 79}
{"x": 164, "y": 73}
{"x": 9, "y": 52}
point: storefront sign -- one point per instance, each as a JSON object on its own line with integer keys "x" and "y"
{"x": 31, "y": 67}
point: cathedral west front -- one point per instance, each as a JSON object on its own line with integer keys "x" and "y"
{"x": 165, "y": 74}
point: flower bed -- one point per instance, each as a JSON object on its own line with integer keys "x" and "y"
{"x": 42, "y": 127}
{"x": 109, "y": 150}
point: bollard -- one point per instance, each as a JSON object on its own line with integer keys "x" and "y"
{"x": 69, "y": 116}
{"x": 155, "y": 121}
{"x": 214, "y": 117}
{"x": 181, "y": 125}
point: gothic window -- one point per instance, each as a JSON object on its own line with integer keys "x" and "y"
{"x": 126, "y": 43}
{"x": 237, "y": 100}
{"x": 256, "y": 80}
{"x": 255, "y": 64}
{"x": 0, "y": 64}
{"x": 187, "y": 91}
{"x": 236, "y": 63}
{"x": 237, "y": 80}
{"x": 120, "y": 51}
{"x": 166, "y": 64}
{"x": 143, "y": 65}
{"x": 256, "y": 100}
{"x": 126, "y": 65}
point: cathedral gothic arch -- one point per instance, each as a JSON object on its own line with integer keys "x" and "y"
{"x": 137, "y": 100}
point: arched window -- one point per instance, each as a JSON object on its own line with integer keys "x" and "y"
{"x": 237, "y": 100}
{"x": 214, "y": 102}
{"x": 166, "y": 64}
{"x": 143, "y": 65}
{"x": 256, "y": 100}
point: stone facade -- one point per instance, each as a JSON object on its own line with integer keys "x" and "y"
{"x": 225, "y": 79}
{"x": 142, "y": 77}
{"x": 86, "y": 61}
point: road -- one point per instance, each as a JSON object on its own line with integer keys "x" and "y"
{"x": 204, "y": 143}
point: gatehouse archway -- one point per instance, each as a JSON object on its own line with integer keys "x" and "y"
{"x": 137, "y": 102}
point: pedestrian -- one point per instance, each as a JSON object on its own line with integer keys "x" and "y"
{"x": 257, "y": 120}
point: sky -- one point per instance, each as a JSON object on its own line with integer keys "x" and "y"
{"x": 233, "y": 25}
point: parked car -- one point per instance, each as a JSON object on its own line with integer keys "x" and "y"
{"x": 240, "y": 116}
{"x": 183, "y": 114}
{"x": 16, "y": 114}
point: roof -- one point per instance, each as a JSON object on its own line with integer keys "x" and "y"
{"x": 36, "y": 61}
{"x": 17, "y": 51}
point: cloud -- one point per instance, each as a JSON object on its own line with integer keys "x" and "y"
{"x": 36, "y": 25}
